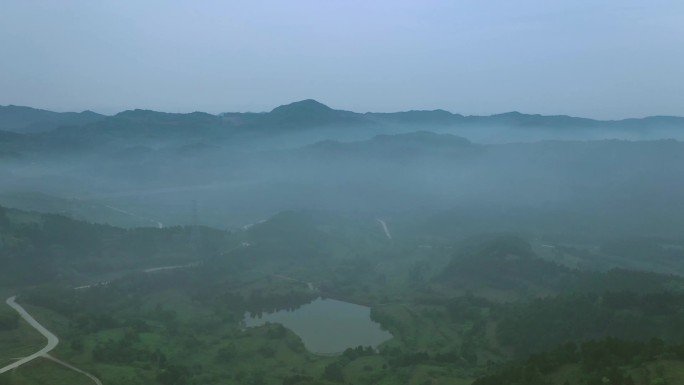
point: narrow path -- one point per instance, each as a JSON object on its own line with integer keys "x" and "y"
{"x": 384, "y": 227}
{"x": 52, "y": 341}
{"x": 75, "y": 369}
{"x": 153, "y": 269}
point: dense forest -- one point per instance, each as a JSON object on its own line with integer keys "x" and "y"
{"x": 492, "y": 308}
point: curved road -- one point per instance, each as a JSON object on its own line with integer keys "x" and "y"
{"x": 51, "y": 344}
{"x": 384, "y": 227}
{"x": 51, "y": 338}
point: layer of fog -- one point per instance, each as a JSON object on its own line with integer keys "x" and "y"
{"x": 613, "y": 185}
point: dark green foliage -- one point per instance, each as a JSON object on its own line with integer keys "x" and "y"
{"x": 353, "y": 353}
{"x": 174, "y": 375}
{"x": 77, "y": 345}
{"x": 586, "y": 316}
{"x": 276, "y": 331}
{"x": 649, "y": 304}
{"x": 467, "y": 308}
{"x": 287, "y": 235}
{"x": 622, "y": 280}
{"x": 599, "y": 359}
{"x": 8, "y": 320}
{"x": 267, "y": 351}
{"x": 225, "y": 354}
{"x": 333, "y": 372}
{"x": 502, "y": 262}
{"x": 122, "y": 351}
{"x": 297, "y": 379}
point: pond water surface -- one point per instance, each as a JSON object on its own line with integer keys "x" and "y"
{"x": 328, "y": 326}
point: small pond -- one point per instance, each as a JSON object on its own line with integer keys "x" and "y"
{"x": 327, "y": 326}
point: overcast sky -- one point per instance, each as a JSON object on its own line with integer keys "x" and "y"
{"x": 602, "y": 59}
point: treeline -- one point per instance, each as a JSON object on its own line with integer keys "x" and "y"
{"x": 606, "y": 361}
{"x": 543, "y": 323}
{"x": 120, "y": 301}
{"x": 395, "y": 362}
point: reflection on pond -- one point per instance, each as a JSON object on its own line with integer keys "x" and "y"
{"x": 327, "y": 326}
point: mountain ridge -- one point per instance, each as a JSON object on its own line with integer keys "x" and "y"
{"x": 29, "y": 120}
{"x": 301, "y": 118}
{"x": 315, "y": 105}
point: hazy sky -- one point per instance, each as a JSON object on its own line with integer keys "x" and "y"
{"x": 596, "y": 58}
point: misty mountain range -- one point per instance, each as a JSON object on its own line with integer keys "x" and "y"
{"x": 146, "y": 167}
{"x": 93, "y": 128}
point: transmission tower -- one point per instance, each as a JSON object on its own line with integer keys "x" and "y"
{"x": 195, "y": 236}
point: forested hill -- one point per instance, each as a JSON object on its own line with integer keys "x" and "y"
{"x": 43, "y": 248}
{"x": 29, "y": 120}
{"x": 503, "y": 308}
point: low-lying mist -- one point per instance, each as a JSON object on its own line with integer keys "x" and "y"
{"x": 583, "y": 186}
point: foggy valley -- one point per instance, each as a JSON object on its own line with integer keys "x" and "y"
{"x": 322, "y": 193}
{"x": 410, "y": 212}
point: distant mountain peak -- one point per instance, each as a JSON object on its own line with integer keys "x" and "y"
{"x": 310, "y": 113}
{"x": 510, "y": 114}
{"x": 308, "y": 106}
{"x": 138, "y": 111}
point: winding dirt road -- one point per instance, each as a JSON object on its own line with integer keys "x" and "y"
{"x": 52, "y": 341}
